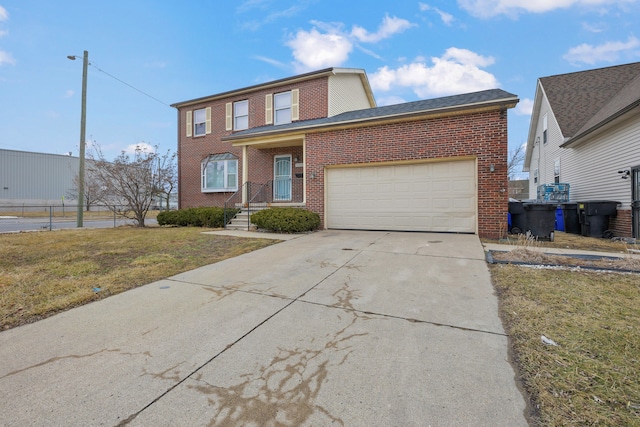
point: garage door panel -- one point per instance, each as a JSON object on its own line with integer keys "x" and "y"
{"x": 417, "y": 197}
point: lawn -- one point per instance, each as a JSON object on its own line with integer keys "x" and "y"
{"x": 43, "y": 273}
{"x": 591, "y": 376}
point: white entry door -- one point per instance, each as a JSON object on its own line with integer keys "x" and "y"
{"x": 282, "y": 177}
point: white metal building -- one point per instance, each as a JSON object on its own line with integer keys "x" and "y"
{"x": 28, "y": 178}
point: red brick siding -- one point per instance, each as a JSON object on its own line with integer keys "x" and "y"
{"x": 621, "y": 224}
{"x": 313, "y": 103}
{"x": 479, "y": 135}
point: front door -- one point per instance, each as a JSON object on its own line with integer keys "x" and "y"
{"x": 282, "y": 178}
{"x": 635, "y": 201}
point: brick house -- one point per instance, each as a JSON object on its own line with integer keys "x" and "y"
{"x": 318, "y": 141}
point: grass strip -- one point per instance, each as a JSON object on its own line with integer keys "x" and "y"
{"x": 591, "y": 376}
{"x": 43, "y": 273}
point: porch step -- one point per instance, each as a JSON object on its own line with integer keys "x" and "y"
{"x": 241, "y": 220}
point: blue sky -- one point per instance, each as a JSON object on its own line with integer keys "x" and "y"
{"x": 174, "y": 51}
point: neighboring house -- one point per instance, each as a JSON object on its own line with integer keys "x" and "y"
{"x": 519, "y": 189}
{"x": 28, "y": 178}
{"x": 318, "y": 141}
{"x": 585, "y": 131}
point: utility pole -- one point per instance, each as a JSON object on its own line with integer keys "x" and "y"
{"x": 83, "y": 127}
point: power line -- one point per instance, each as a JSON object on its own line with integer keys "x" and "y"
{"x": 127, "y": 84}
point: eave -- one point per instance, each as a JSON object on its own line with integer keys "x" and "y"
{"x": 275, "y": 133}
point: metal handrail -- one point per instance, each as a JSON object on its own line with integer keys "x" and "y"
{"x": 229, "y": 201}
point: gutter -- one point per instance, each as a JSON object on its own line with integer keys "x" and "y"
{"x": 275, "y": 83}
{"x": 491, "y": 105}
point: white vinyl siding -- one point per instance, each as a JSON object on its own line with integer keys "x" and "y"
{"x": 346, "y": 94}
{"x": 543, "y": 155}
{"x": 591, "y": 167}
{"x": 437, "y": 196}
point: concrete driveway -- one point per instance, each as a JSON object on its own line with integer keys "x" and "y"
{"x": 331, "y": 328}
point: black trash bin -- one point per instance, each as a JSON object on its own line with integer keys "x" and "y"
{"x": 594, "y": 216}
{"x": 540, "y": 219}
{"x": 571, "y": 220}
{"x": 517, "y": 217}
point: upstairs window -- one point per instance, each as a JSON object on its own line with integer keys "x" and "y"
{"x": 282, "y": 108}
{"x": 241, "y": 115}
{"x": 535, "y": 176}
{"x": 220, "y": 173}
{"x": 544, "y": 129}
{"x": 199, "y": 122}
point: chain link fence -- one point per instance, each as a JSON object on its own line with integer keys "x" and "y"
{"x": 17, "y": 218}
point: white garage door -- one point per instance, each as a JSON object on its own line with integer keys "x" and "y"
{"x": 415, "y": 197}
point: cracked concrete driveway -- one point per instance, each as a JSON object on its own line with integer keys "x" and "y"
{"x": 331, "y": 328}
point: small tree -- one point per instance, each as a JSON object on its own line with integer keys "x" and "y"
{"x": 169, "y": 179}
{"x": 514, "y": 161}
{"x": 94, "y": 191}
{"x": 133, "y": 180}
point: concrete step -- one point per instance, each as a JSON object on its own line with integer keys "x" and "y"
{"x": 240, "y": 221}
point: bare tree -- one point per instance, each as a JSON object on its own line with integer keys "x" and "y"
{"x": 132, "y": 181}
{"x": 514, "y": 161}
{"x": 94, "y": 191}
{"x": 169, "y": 179}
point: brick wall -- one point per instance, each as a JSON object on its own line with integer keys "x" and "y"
{"x": 192, "y": 150}
{"x": 621, "y": 224}
{"x": 480, "y": 135}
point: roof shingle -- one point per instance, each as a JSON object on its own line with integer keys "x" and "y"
{"x": 581, "y": 100}
{"x": 408, "y": 108}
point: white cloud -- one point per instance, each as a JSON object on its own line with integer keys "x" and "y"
{"x": 270, "y": 61}
{"x": 457, "y": 71}
{"x": 328, "y": 45}
{"x": 607, "y": 52}
{"x": 390, "y": 25}
{"x": 489, "y": 8}
{"x": 143, "y": 146}
{"x": 4, "y": 15}
{"x": 390, "y": 100}
{"x": 446, "y": 18}
{"x": 6, "y": 58}
{"x": 314, "y": 50}
{"x": 69, "y": 93}
{"x": 524, "y": 107}
{"x": 594, "y": 28}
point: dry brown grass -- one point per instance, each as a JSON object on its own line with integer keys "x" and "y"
{"x": 47, "y": 272}
{"x": 569, "y": 241}
{"x": 591, "y": 377}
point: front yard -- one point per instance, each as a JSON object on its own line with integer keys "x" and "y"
{"x": 590, "y": 377}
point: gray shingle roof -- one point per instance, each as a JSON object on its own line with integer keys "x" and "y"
{"x": 583, "y": 99}
{"x": 486, "y": 97}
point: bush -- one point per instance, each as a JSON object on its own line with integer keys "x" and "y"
{"x": 212, "y": 217}
{"x": 286, "y": 220}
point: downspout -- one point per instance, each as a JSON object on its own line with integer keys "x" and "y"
{"x": 304, "y": 170}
